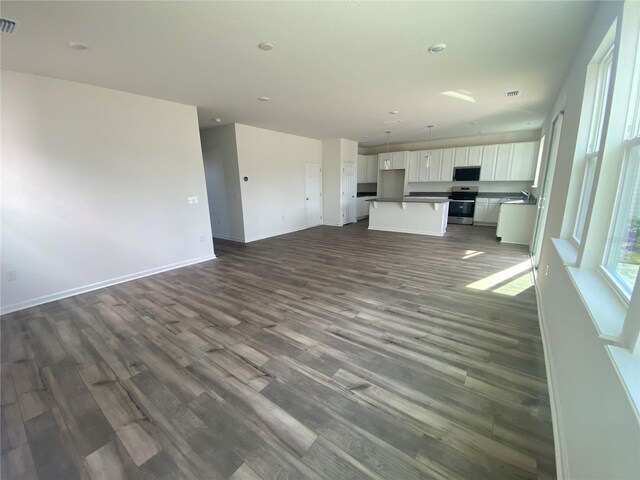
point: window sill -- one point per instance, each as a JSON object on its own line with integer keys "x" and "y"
{"x": 605, "y": 308}
{"x": 627, "y": 366}
{"x": 566, "y": 250}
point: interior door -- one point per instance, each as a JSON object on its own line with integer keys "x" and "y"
{"x": 348, "y": 194}
{"x": 544, "y": 196}
{"x": 313, "y": 193}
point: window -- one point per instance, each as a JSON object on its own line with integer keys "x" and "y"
{"x": 622, "y": 258}
{"x": 622, "y": 253}
{"x": 600, "y": 75}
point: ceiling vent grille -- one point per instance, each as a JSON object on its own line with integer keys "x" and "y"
{"x": 9, "y": 26}
{"x": 512, "y": 93}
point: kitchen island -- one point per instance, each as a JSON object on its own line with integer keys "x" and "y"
{"x": 418, "y": 215}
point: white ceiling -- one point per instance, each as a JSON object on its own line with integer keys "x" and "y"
{"x": 337, "y": 69}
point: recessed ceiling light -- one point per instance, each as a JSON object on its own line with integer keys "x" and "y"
{"x": 437, "y": 47}
{"x": 529, "y": 123}
{"x": 78, "y": 46}
{"x": 217, "y": 120}
{"x": 266, "y": 46}
{"x": 264, "y": 99}
{"x": 394, "y": 112}
{"x": 473, "y": 123}
{"x": 364, "y": 136}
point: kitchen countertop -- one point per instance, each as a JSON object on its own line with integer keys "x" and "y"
{"x": 518, "y": 201}
{"x": 410, "y": 200}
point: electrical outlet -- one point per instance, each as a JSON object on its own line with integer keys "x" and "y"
{"x": 546, "y": 270}
{"x": 192, "y": 200}
{"x": 11, "y": 275}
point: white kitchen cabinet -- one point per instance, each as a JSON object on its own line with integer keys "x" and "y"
{"x": 432, "y": 173}
{"x": 523, "y": 162}
{"x": 486, "y": 210}
{"x": 460, "y": 156}
{"x": 493, "y": 210}
{"x": 413, "y": 169}
{"x": 372, "y": 168}
{"x": 384, "y": 161}
{"x": 488, "y": 162}
{"x": 480, "y": 211}
{"x": 362, "y": 207}
{"x": 446, "y": 165}
{"x": 503, "y": 162}
{"x": 516, "y": 223}
{"x": 474, "y": 158}
{"x": 361, "y": 168}
{"x": 399, "y": 160}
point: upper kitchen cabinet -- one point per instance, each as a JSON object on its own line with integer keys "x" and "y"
{"x": 372, "y": 168}
{"x": 393, "y": 160}
{"x": 460, "y": 156}
{"x": 523, "y": 164}
{"x": 384, "y": 161}
{"x": 413, "y": 169}
{"x": 504, "y": 158}
{"x": 399, "y": 159}
{"x": 488, "y": 162}
{"x": 446, "y": 165}
{"x": 474, "y": 158}
{"x": 424, "y": 166}
{"x": 361, "y": 167}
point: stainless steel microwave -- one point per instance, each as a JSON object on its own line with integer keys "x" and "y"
{"x": 466, "y": 174}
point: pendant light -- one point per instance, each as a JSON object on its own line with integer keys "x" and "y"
{"x": 428, "y": 155}
{"x": 388, "y": 132}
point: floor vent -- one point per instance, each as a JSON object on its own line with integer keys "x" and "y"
{"x": 512, "y": 93}
{"x": 9, "y": 26}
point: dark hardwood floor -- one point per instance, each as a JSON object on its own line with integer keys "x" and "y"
{"x": 332, "y": 353}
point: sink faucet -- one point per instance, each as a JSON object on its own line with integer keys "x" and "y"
{"x": 526, "y": 194}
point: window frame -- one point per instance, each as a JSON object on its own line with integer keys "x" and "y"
{"x": 601, "y": 72}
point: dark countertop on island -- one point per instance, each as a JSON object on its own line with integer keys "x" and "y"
{"x": 410, "y": 200}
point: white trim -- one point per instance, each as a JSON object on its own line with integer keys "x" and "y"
{"x": 415, "y": 232}
{"x": 275, "y": 234}
{"x": 562, "y": 461}
{"x": 95, "y": 286}
{"x": 232, "y": 238}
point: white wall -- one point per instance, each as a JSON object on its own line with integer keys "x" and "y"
{"x": 223, "y": 182}
{"x": 273, "y": 197}
{"x": 94, "y": 188}
{"x": 598, "y": 428}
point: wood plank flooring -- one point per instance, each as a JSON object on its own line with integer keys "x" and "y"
{"x": 330, "y": 353}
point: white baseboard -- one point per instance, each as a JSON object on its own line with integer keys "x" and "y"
{"x": 562, "y": 462}
{"x": 402, "y": 230}
{"x": 231, "y": 238}
{"x": 274, "y": 234}
{"x": 95, "y": 286}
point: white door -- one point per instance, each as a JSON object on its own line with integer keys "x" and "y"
{"x": 313, "y": 193}
{"x": 543, "y": 200}
{"x": 348, "y": 194}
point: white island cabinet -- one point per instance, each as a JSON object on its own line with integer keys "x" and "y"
{"x": 418, "y": 215}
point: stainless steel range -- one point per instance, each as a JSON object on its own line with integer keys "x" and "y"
{"x": 462, "y": 205}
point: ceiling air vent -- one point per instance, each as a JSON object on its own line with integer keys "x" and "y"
{"x": 512, "y": 93}
{"x": 9, "y": 26}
